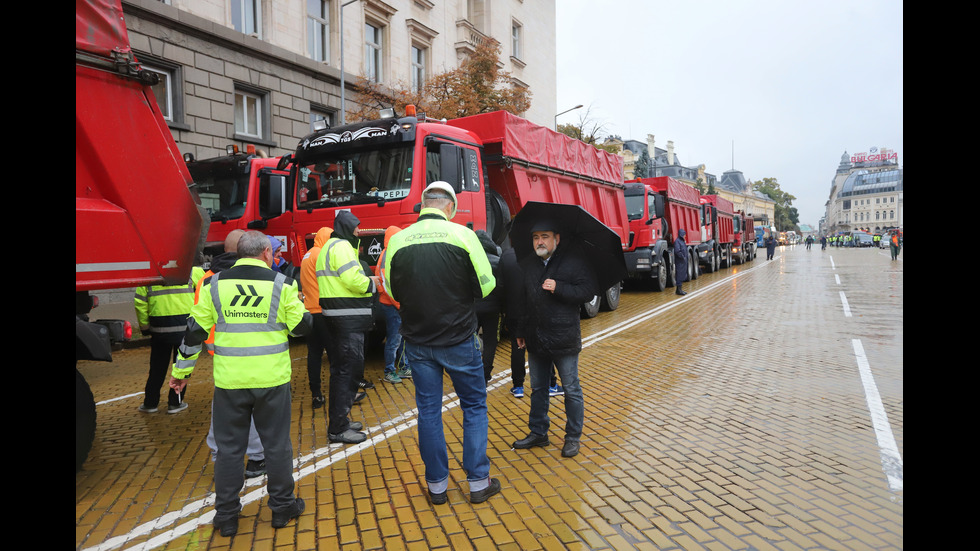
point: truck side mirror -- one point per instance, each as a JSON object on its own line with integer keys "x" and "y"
{"x": 284, "y": 162}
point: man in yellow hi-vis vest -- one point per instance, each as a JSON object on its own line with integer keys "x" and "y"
{"x": 253, "y": 310}
{"x": 161, "y": 311}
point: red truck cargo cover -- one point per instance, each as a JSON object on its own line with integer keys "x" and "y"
{"x": 723, "y": 205}
{"x": 524, "y": 140}
{"x": 676, "y": 191}
{"x": 99, "y": 27}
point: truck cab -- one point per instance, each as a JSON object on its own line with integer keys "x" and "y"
{"x": 242, "y": 191}
{"x": 648, "y": 255}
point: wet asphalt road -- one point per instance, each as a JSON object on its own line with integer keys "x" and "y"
{"x": 764, "y": 410}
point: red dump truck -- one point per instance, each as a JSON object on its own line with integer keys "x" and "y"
{"x": 136, "y": 218}
{"x": 496, "y": 163}
{"x": 678, "y": 207}
{"x": 745, "y": 248}
{"x": 648, "y": 256}
{"x": 242, "y": 191}
{"x": 718, "y": 233}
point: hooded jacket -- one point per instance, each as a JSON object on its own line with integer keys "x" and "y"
{"x": 346, "y": 292}
{"x": 307, "y": 271}
{"x": 680, "y": 257}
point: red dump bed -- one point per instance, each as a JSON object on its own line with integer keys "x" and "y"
{"x": 682, "y": 207}
{"x": 724, "y": 232}
{"x": 135, "y": 220}
{"x": 528, "y": 162}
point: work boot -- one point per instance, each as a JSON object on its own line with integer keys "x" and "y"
{"x": 531, "y": 441}
{"x": 282, "y": 518}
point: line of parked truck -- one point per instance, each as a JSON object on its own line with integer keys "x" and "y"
{"x": 140, "y": 209}
{"x": 496, "y": 162}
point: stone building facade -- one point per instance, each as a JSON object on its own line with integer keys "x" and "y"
{"x": 259, "y": 72}
{"x": 866, "y": 193}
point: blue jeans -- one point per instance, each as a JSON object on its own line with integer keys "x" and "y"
{"x": 393, "y": 339}
{"x": 539, "y": 366}
{"x": 464, "y": 364}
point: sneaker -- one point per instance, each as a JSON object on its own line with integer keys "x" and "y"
{"x": 318, "y": 401}
{"x": 391, "y": 377}
{"x": 254, "y": 468}
{"x": 147, "y": 409}
{"x": 404, "y": 373}
{"x": 556, "y": 390}
{"x": 359, "y": 396}
{"x": 282, "y": 518}
{"x": 356, "y": 425}
{"x": 517, "y": 391}
{"x": 365, "y": 384}
{"x": 178, "y": 408}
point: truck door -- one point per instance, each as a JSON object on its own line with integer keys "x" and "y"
{"x": 459, "y": 166}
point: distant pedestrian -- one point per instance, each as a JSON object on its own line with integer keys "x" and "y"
{"x": 895, "y": 245}
{"x": 823, "y": 242}
{"x": 437, "y": 270}
{"x": 809, "y": 241}
{"x": 680, "y": 261}
{"x": 770, "y": 247}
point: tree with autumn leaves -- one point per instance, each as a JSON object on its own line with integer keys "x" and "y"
{"x": 476, "y": 86}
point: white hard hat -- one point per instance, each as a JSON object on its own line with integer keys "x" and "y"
{"x": 443, "y": 187}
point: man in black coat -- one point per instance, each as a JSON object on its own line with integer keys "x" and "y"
{"x": 680, "y": 261}
{"x": 557, "y": 281}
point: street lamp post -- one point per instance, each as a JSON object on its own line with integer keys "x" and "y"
{"x": 343, "y": 85}
{"x": 562, "y": 113}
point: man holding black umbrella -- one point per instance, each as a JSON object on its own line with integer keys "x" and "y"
{"x": 557, "y": 281}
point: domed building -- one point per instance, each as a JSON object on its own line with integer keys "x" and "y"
{"x": 866, "y": 193}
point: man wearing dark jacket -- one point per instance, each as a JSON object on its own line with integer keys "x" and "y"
{"x": 557, "y": 281}
{"x": 437, "y": 270}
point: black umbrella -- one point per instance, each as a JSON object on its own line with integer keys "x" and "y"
{"x": 600, "y": 246}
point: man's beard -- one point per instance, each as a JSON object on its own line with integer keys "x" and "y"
{"x": 543, "y": 252}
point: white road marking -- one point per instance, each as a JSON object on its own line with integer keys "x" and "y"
{"x": 891, "y": 460}
{"x": 847, "y": 308}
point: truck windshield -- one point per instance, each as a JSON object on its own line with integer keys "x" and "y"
{"x": 355, "y": 177}
{"x": 634, "y": 207}
{"x": 223, "y": 187}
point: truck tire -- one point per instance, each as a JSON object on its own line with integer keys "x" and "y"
{"x": 693, "y": 267}
{"x": 84, "y": 420}
{"x": 498, "y": 215}
{"x": 591, "y": 309}
{"x": 660, "y": 276}
{"x": 610, "y": 298}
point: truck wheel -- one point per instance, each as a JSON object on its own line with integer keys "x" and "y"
{"x": 671, "y": 272}
{"x": 498, "y": 215}
{"x": 610, "y": 299}
{"x": 693, "y": 267}
{"x": 591, "y": 309}
{"x": 660, "y": 282}
{"x": 84, "y": 420}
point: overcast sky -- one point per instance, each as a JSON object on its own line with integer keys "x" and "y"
{"x": 791, "y": 84}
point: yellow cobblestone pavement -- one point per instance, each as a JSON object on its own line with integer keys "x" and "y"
{"x": 735, "y": 417}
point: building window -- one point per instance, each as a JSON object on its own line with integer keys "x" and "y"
{"x": 248, "y": 113}
{"x": 246, "y": 16}
{"x": 516, "y": 40}
{"x": 320, "y": 115}
{"x": 418, "y": 67}
{"x": 373, "y": 48}
{"x": 318, "y": 29}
